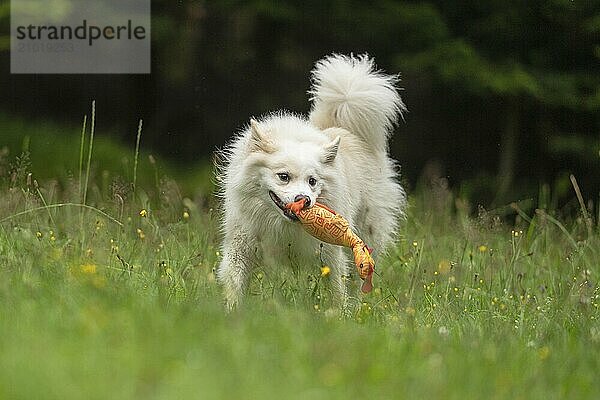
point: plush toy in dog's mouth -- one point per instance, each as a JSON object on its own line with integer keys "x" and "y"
{"x": 326, "y": 225}
{"x": 286, "y": 211}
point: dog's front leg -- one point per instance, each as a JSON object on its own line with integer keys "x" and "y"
{"x": 236, "y": 265}
{"x": 335, "y": 257}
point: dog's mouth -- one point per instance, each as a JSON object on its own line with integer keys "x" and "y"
{"x": 286, "y": 211}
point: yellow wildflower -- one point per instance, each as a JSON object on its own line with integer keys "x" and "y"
{"x": 444, "y": 266}
{"x": 482, "y": 248}
{"x": 143, "y": 213}
{"x": 88, "y": 269}
{"x": 325, "y": 270}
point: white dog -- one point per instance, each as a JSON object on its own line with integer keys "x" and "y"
{"x": 338, "y": 157}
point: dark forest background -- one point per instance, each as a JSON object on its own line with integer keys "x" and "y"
{"x": 503, "y": 96}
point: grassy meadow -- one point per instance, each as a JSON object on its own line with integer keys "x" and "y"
{"x": 108, "y": 292}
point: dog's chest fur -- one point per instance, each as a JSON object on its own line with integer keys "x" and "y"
{"x": 289, "y": 243}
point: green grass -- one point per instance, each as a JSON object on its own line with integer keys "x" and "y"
{"x": 127, "y": 307}
{"x": 54, "y": 153}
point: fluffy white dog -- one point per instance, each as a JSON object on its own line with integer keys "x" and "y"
{"x": 338, "y": 157}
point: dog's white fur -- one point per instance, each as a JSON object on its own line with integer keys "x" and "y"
{"x": 343, "y": 146}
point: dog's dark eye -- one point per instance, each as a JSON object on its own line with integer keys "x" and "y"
{"x": 312, "y": 181}
{"x": 284, "y": 177}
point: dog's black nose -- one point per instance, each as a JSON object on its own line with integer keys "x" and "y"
{"x": 306, "y": 199}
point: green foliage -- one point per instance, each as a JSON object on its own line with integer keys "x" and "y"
{"x": 587, "y": 150}
{"x": 458, "y": 62}
{"x": 492, "y": 48}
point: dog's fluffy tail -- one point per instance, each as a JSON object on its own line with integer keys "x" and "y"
{"x": 349, "y": 93}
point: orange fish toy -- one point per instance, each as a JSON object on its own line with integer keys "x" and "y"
{"x": 327, "y": 226}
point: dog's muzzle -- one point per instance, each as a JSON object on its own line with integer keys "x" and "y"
{"x": 306, "y": 199}
{"x": 287, "y": 212}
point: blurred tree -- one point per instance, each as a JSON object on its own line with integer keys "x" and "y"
{"x": 536, "y": 55}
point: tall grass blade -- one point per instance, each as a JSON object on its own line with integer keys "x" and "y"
{"x": 89, "y": 158}
{"x": 41, "y": 196}
{"x": 81, "y": 147}
{"x": 559, "y": 225}
{"x": 586, "y": 216}
{"x": 61, "y": 205}
{"x": 137, "y": 153}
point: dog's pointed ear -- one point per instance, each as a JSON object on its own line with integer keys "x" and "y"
{"x": 331, "y": 150}
{"x": 259, "y": 140}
